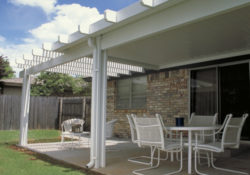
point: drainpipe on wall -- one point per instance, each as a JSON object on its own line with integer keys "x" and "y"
{"x": 91, "y": 164}
{"x": 98, "y": 102}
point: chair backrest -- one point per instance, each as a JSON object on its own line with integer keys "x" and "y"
{"x": 132, "y": 128}
{"x": 67, "y": 124}
{"x": 224, "y": 123}
{"x": 232, "y": 131}
{"x": 203, "y": 120}
{"x": 149, "y": 131}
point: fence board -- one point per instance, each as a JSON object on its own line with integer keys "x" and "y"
{"x": 43, "y": 112}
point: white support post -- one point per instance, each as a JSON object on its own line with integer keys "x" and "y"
{"x": 98, "y": 101}
{"x": 24, "y": 116}
{"x": 104, "y": 102}
{"x": 98, "y": 106}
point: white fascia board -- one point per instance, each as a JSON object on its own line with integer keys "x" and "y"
{"x": 171, "y": 18}
{"x": 73, "y": 39}
{"x": 149, "y": 3}
{"x": 19, "y": 61}
{"x": 28, "y": 57}
{"x": 124, "y": 16}
{"x": 130, "y": 11}
{"x": 207, "y": 58}
{"x": 75, "y": 36}
{"x": 63, "y": 39}
{"x": 37, "y": 52}
{"x": 71, "y": 54}
{"x": 47, "y": 46}
{"x": 99, "y": 25}
{"x": 84, "y": 29}
{"x": 110, "y": 16}
{"x": 159, "y": 2}
{"x": 56, "y": 45}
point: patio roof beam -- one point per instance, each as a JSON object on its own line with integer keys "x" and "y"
{"x": 69, "y": 55}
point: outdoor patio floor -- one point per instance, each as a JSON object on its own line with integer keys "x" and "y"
{"x": 118, "y": 152}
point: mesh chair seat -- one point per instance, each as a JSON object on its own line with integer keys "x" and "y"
{"x": 169, "y": 145}
{"x": 212, "y": 146}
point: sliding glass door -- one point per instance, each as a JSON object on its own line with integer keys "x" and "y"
{"x": 222, "y": 89}
{"x": 234, "y": 93}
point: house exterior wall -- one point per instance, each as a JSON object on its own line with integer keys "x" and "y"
{"x": 167, "y": 94}
{"x": 12, "y": 90}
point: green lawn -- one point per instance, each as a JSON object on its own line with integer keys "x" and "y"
{"x": 13, "y": 162}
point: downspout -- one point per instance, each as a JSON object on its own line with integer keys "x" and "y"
{"x": 91, "y": 164}
{"x": 98, "y": 101}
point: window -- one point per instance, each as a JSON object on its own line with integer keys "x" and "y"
{"x": 131, "y": 93}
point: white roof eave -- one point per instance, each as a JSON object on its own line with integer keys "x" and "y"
{"x": 124, "y": 16}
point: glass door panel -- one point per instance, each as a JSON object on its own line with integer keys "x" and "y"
{"x": 204, "y": 91}
{"x": 234, "y": 93}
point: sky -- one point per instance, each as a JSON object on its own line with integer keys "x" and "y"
{"x": 26, "y": 24}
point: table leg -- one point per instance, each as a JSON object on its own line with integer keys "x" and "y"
{"x": 171, "y": 154}
{"x": 189, "y": 152}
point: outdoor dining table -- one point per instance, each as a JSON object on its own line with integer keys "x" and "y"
{"x": 191, "y": 129}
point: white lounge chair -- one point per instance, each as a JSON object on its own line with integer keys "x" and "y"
{"x": 230, "y": 139}
{"x": 150, "y": 133}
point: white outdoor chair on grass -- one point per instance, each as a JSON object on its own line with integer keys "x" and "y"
{"x": 150, "y": 133}
{"x": 230, "y": 139}
{"x": 73, "y": 129}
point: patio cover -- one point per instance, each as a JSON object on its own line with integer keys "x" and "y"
{"x": 153, "y": 34}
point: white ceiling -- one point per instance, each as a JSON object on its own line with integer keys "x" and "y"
{"x": 218, "y": 35}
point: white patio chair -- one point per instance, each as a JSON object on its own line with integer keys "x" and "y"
{"x": 134, "y": 140}
{"x": 204, "y": 120}
{"x": 168, "y": 136}
{"x": 68, "y": 132}
{"x": 150, "y": 133}
{"x": 230, "y": 139}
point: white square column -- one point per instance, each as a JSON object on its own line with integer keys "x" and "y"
{"x": 98, "y": 105}
{"x": 103, "y": 108}
{"x": 24, "y": 116}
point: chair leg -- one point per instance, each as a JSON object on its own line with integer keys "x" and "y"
{"x": 62, "y": 139}
{"x": 181, "y": 164}
{"x": 133, "y": 159}
{"x": 223, "y": 169}
{"x": 137, "y": 172}
{"x": 207, "y": 157}
{"x": 195, "y": 163}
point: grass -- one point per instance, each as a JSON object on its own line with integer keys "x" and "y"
{"x": 13, "y": 162}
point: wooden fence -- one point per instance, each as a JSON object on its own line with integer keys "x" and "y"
{"x": 75, "y": 107}
{"x": 45, "y": 112}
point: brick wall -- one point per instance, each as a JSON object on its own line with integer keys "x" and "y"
{"x": 167, "y": 94}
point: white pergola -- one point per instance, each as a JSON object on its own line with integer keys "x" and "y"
{"x": 153, "y": 34}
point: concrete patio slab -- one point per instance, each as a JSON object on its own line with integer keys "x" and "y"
{"x": 118, "y": 152}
